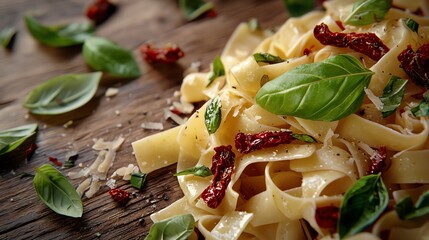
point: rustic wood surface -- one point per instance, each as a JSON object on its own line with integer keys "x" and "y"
{"x": 28, "y": 64}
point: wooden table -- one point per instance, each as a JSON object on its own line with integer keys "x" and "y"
{"x": 28, "y": 64}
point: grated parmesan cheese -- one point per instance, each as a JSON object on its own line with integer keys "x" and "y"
{"x": 111, "y": 92}
{"x": 183, "y": 107}
{"x": 374, "y": 99}
{"x": 176, "y": 118}
{"x": 152, "y": 126}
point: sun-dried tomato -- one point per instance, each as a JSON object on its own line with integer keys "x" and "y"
{"x": 120, "y": 196}
{"x": 307, "y": 51}
{"x": 365, "y": 43}
{"x": 246, "y": 143}
{"x": 327, "y": 217}
{"x": 222, "y": 169}
{"x": 378, "y": 161}
{"x": 169, "y": 54}
{"x": 100, "y": 11}
{"x": 340, "y": 25}
{"x": 29, "y": 152}
{"x": 55, "y": 161}
{"x": 416, "y": 64}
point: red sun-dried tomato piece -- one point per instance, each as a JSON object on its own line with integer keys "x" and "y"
{"x": 246, "y": 143}
{"x": 100, "y": 11}
{"x": 55, "y": 161}
{"x": 416, "y": 64}
{"x": 120, "y": 196}
{"x": 365, "y": 43}
{"x": 327, "y": 217}
{"x": 378, "y": 161}
{"x": 222, "y": 169}
{"x": 29, "y": 152}
{"x": 169, "y": 54}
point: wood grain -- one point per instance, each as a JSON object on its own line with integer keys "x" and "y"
{"x": 22, "y": 214}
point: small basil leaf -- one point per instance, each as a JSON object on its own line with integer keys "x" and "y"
{"x": 6, "y": 37}
{"x": 56, "y": 192}
{"x": 411, "y": 24}
{"x": 138, "y": 180}
{"x": 298, "y": 8}
{"x": 11, "y": 138}
{"x": 103, "y": 55}
{"x": 407, "y": 211}
{"x": 267, "y": 58}
{"x": 217, "y": 70}
{"x": 392, "y": 95}
{"x": 423, "y": 108}
{"x": 213, "y": 115}
{"x": 62, "y": 94}
{"x": 304, "y": 137}
{"x": 368, "y": 11}
{"x": 200, "y": 171}
{"x": 254, "y": 25}
{"x": 59, "y": 36}
{"x": 322, "y": 91}
{"x": 363, "y": 203}
{"x": 178, "y": 228}
{"x": 192, "y": 9}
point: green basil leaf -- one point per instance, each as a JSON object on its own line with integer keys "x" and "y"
{"x": 423, "y": 108}
{"x": 104, "y": 55}
{"x": 267, "y": 58}
{"x": 200, "y": 171}
{"x": 192, "y": 9}
{"x": 138, "y": 180}
{"x": 407, "y": 211}
{"x": 298, "y": 8}
{"x": 254, "y": 25}
{"x": 6, "y": 36}
{"x": 217, "y": 70}
{"x": 392, "y": 95}
{"x": 213, "y": 115}
{"x": 411, "y": 24}
{"x": 368, "y": 11}
{"x": 178, "y": 228}
{"x": 62, "y": 94}
{"x": 59, "y": 36}
{"x": 56, "y": 192}
{"x": 11, "y": 138}
{"x": 322, "y": 91}
{"x": 363, "y": 203}
{"x": 304, "y": 137}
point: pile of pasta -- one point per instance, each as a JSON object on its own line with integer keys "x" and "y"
{"x": 274, "y": 192}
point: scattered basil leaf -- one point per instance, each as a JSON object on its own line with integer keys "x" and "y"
{"x": 56, "y": 192}
{"x": 363, "y": 203}
{"x": 138, "y": 179}
{"x": 104, "y": 55}
{"x": 178, "y": 228}
{"x": 11, "y": 138}
{"x": 213, "y": 115}
{"x": 62, "y": 94}
{"x": 192, "y": 9}
{"x": 407, "y": 211}
{"x": 70, "y": 160}
{"x": 6, "y": 37}
{"x": 411, "y": 24}
{"x": 59, "y": 36}
{"x": 254, "y": 25}
{"x": 322, "y": 91}
{"x": 298, "y": 8}
{"x": 368, "y": 11}
{"x": 423, "y": 108}
{"x": 267, "y": 58}
{"x": 200, "y": 171}
{"x": 392, "y": 95}
{"x": 217, "y": 70}
{"x": 304, "y": 137}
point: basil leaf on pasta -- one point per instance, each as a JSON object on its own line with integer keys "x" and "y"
{"x": 267, "y": 58}
{"x": 407, "y": 210}
{"x": 423, "y": 108}
{"x": 392, "y": 95}
{"x": 213, "y": 115}
{"x": 368, "y": 11}
{"x": 218, "y": 70}
{"x": 178, "y": 227}
{"x": 412, "y": 25}
{"x": 304, "y": 137}
{"x": 200, "y": 171}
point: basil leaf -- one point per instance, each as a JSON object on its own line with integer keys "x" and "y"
{"x": 322, "y": 91}
{"x": 392, "y": 95}
{"x": 59, "y": 36}
{"x": 363, "y": 203}
{"x": 254, "y": 25}
{"x": 56, "y": 192}
{"x": 368, "y": 11}
{"x": 104, "y": 55}
{"x": 6, "y": 36}
{"x": 11, "y": 138}
{"x": 267, "y": 58}
{"x": 304, "y": 137}
{"x": 423, "y": 108}
{"x": 407, "y": 211}
{"x": 217, "y": 70}
{"x": 298, "y": 8}
{"x": 138, "y": 180}
{"x": 200, "y": 171}
{"x": 213, "y": 115}
{"x": 411, "y": 24}
{"x": 62, "y": 94}
{"x": 178, "y": 227}
{"x": 192, "y": 9}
